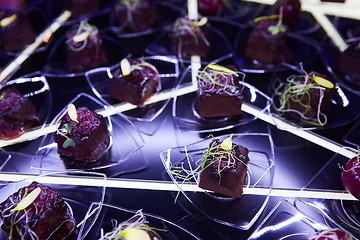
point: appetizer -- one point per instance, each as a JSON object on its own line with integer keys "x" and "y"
{"x": 266, "y": 43}
{"x": 332, "y": 234}
{"x": 134, "y": 82}
{"x": 134, "y": 228}
{"x": 16, "y": 31}
{"x": 136, "y": 15}
{"x": 17, "y": 114}
{"x": 290, "y": 9}
{"x": 350, "y": 176}
{"x": 79, "y": 8}
{"x": 224, "y": 167}
{"x": 84, "y": 48}
{"x": 219, "y": 91}
{"x": 212, "y": 7}
{"x": 36, "y": 212}
{"x": 82, "y": 135}
{"x": 190, "y": 38}
{"x": 12, "y": 4}
{"x": 307, "y": 96}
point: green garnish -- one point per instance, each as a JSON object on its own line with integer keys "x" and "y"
{"x": 294, "y": 91}
{"x": 8, "y": 20}
{"x": 28, "y": 199}
{"x": 279, "y": 27}
{"x": 125, "y": 67}
{"x": 72, "y": 112}
{"x": 83, "y": 33}
{"x": 227, "y": 143}
{"x": 135, "y": 228}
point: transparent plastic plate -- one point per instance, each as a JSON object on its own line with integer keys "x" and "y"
{"x": 344, "y": 213}
{"x": 302, "y": 49}
{"x": 78, "y": 196}
{"x": 125, "y": 140}
{"x": 187, "y": 118}
{"x": 38, "y": 22}
{"x": 110, "y": 213}
{"x": 57, "y": 64}
{"x": 285, "y": 221}
{"x": 142, "y": 116}
{"x": 167, "y": 13}
{"x": 343, "y": 108}
{"x": 219, "y": 50}
{"x": 229, "y": 211}
{"x": 36, "y": 89}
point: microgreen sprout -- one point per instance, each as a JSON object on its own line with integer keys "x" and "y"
{"x": 216, "y": 78}
{"x": 222, "y": 154}
{"x": 127, "y": 68}
{"x": 8, "y": 20}
{"x": 135, "y": 228}
{"x": 300, "y": 92}
{"x": 16, "y": 211}
{"x": 279, "y": 27}
{"x": 130, "y": 3}
{"x": 84, "y": 32}
{"x": 185, "y": 26}
{"x": 67, "y": 127}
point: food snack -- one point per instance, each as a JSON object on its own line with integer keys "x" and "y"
{"x": 190, "y": 38}
{"x": 12, "y": 4}
{"x": 212, "y": 7}
{"x": 219, "y": 91}
{"x": 332, "y": 234}
{"x": 350, "y": 175}
{"x": 16, "y": 31}
{"x": 84, "y": 48}
{"x": 17, "y": 114}
{"x": 80, "y": 8}
{"x": 134, "y": 228}
{"x": 224, "y": 167}
{"x": 136, "y": 15}
{"x": 36, "y": 212}
{"x": 350, "y": 61}
{"x": 135, "y": 82}
{"x": 82, "y": 134}
{"x": 266, "y": 43}
{"x": 290, "y": 10}
{"x": 307, "y": 96}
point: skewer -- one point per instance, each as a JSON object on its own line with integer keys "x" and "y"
{"x": 170, "y": 186}
{"x": 26, "y": 53}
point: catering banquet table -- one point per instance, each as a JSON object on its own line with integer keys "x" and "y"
{"x": 293, "y": 187}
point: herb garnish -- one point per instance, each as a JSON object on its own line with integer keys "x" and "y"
{"x": 8, "y": 20}
{"x": 134, "y": 228}
{"x": 219, "y": 79}
{"x": 299, "y": 92}
{"x": 67, "y": 128}
{"x": 214, "y": 154}
{"x": 83, "y": 33}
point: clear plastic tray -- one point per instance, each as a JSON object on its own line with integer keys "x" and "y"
{"x": 56, "y": 65}
{"x": 302, "y": 49}
{"x": 186, "y": 115}
{"x": 99, "y": 79}
{"x": 220, "y": 47}
{"x": 343, "y": 109}
{"x": 110, "y": 213}
{"x": 78, "y": 196}
{"x": 35, "y": 88}
{"x": 125, "y": 141}
{"x": 229, "y": 211}
{"x": 285, "y": 221}
{"x": 344, "y": 213}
